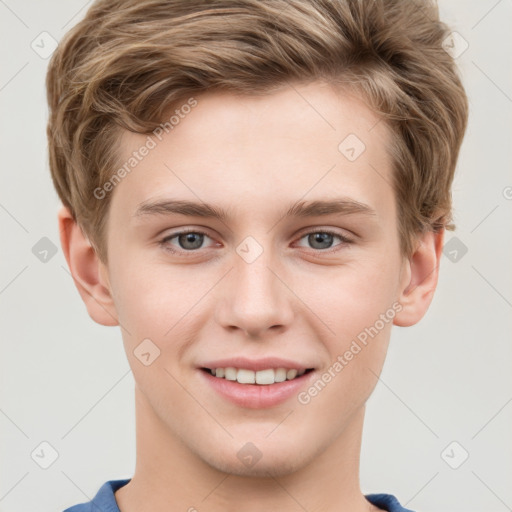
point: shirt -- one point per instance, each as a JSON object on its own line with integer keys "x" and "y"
{"x": 105, "y": 501}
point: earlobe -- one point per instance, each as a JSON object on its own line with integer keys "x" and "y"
{"x": 420, "y": 279}
{"x": 87, "y": 270}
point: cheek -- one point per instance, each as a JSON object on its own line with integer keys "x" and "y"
{"x": 356, "y": 302}
{"x": 152, "y": 302}
{"x": 161, "y": 303}
{"x": 351, "y": 297}
{"x": 152, "y": 296}
{"x": 361, "y": 319}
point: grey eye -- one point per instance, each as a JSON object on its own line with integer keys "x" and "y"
{"x": 190, "y": 241}
{"x": 320, "y": 240}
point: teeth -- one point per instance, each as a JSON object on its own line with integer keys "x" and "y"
{"x": 280, "y": 375}
{"x": 291, "y": 374}
{"x": 230, "y": 373}
{"x": 246, "y": 377}
{"x": 263, "y": 377}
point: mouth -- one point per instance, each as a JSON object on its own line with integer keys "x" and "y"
{"x": 264, "y": 377}
{"x": 258, "y": 388}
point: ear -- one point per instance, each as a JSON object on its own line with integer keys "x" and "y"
{"x": 419, "y": 279}
{"x": 89, "y": 273}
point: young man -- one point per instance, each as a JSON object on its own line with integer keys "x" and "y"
{"x": 255, "y": 192}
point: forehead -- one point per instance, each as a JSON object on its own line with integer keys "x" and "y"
{"x": 304, "y": 141}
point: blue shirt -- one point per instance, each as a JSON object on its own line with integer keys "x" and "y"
{"x": 105, "y": 501}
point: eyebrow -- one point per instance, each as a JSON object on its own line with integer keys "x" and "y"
{"x": 341, "y": 206}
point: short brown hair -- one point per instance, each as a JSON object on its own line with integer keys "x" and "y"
{"x": 128, "y": 61}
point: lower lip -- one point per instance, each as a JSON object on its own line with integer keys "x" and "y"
{"x": 257, "y": 396}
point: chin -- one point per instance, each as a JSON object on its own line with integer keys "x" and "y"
{"x": 267, "y": 469}
{"x": 271, "y": 464}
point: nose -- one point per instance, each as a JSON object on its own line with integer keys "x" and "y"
{"x": 254, "y": 299}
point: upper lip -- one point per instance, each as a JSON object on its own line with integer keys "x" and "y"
{"x": 255, "y": 364}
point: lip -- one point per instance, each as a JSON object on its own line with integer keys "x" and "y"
{"x": 257, "y": 396}
{"x": 255, "y": 364}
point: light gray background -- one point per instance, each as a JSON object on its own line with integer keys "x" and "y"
{"x": 66, "y": 380}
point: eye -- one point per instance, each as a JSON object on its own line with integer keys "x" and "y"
{"x": 323, "y": 240}
{"x": 190, "y": 241}
{"x": 187, "y": 241}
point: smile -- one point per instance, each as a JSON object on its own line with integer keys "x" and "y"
{"x": 262, "y": 377}
{"x": 256, "y": 389}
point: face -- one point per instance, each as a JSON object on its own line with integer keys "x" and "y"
{"x": 275, "y": 280}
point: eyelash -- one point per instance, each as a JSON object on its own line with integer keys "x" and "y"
{"x": 164, "y": 243}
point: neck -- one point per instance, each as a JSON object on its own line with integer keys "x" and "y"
{"x": 170, "y": 476}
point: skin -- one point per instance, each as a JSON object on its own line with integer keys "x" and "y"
{"x": 254, "y": 156}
